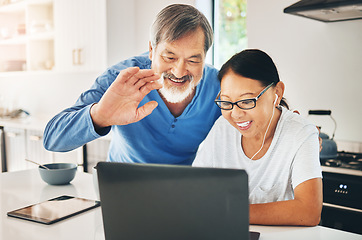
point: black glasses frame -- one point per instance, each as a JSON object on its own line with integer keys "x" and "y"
{"x": 218, "y": 102}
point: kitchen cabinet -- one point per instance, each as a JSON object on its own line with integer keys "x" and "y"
{"x": 53, "y": 35}
{"x": 97, "y": 151}
{"x": 26, "y": 36}
{"x": 15, "y": 149}
{"x": 21, "y": 144}
{"x": 34, "y": 147}
{"x": 2, "y": 149}
{"x": 80, "y": 35}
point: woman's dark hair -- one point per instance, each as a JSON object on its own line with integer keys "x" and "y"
{"x": 254, "y": 64}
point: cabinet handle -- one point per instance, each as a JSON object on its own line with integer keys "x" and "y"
{"x": 79, "y": 56}
{"x": 35, "y": 138}
{"x": 74, "y": 56}
{"x": 12, "y": 134}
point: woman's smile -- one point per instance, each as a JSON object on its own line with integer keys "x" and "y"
{"x": 243, "y": 126}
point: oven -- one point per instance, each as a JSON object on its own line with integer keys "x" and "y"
{"x": 342, "y": 192}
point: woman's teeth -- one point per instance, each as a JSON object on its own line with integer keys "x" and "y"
{"x": 243, "y": 124}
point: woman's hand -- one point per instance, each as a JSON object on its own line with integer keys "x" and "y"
{"x": 304, "y": 210}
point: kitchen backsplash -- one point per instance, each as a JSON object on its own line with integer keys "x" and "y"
{"x": 349, "y": 146}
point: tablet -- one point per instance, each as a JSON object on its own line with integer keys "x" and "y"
{"x": 54, "y": 210}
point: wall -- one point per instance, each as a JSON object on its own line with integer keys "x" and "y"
{"x": 45, "y": 94}
{"x": 121, "y": 30}
{"x": 129, "y": 27}
{"x": 320, "y": 63}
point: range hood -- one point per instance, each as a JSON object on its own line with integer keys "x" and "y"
{"x": 327, "y": 10}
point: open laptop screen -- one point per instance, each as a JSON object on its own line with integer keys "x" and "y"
{"x": 149, "y": 201}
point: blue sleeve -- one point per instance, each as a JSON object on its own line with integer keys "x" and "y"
{"x": 73, "y": 127}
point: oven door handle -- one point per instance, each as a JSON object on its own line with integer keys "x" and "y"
{"x": 342, "y": 207}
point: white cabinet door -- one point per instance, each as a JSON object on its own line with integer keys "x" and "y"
{"x": 97, "y": 151}
{"x": 15, "y": 149}
{"x": 80, "y": 35}
{"x": 35, "y": 149}
{"x": 2, "y": 150}
{"x": 21, "y": 144}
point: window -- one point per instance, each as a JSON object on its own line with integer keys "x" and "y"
{"x": 229, "y": 29}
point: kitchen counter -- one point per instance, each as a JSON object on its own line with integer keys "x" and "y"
{"x": 23, "y": 188}
{"x": 27, "y": 123}
{"x": 342, "y": 170}
{"x": 33, "y": 123}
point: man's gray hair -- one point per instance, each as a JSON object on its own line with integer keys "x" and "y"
{"x": 177, "y": 20}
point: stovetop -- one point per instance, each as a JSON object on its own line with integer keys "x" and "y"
{"x": 345, "y": 162}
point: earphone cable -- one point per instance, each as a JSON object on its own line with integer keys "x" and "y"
{"x": 262, "y": 145}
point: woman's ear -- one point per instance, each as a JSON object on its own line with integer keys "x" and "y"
{"x": 279, "y": 90}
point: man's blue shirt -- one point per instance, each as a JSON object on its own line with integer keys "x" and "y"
{"x": 158, "y": 138}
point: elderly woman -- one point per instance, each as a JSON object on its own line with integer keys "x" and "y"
{"x": 278, "y": 148}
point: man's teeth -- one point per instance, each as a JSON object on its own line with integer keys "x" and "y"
{"x": 177, "y": 80}
{"x": 243, "y": 124}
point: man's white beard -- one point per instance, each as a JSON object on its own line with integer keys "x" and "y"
{"x": 174, "y": 94}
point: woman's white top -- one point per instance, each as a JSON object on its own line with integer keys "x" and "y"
{"x": 292, "y": 158}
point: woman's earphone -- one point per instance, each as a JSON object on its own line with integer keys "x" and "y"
{"x": 262, "y": 144}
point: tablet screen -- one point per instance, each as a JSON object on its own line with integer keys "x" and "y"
{"x": 55, "y": 209}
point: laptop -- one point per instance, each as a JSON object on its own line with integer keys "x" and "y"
{"x": 164, "y": 202}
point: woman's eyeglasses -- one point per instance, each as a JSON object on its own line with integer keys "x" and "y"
{"x": 242, "y": 104}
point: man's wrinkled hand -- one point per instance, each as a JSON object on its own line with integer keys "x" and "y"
{"x": 120, "y": 103}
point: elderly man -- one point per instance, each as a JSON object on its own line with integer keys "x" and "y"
{"x": 159, "y": 105}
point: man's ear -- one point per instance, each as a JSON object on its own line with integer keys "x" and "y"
{"x": 150, "y": 50}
